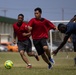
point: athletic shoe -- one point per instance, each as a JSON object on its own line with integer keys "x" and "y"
{"x": 50, "y": 66}
{"x": 52, "y": 61}
{"x": 37, "y": 58}
{"x": 29, "y": 66}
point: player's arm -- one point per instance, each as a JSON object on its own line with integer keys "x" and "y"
{"x": 51, "y": 25}
{"x": 27, "y": 34}
{"x": 73, "y": 19}
{"x": 14, "y": 37}
{"x": 29, "y": 28}
{"x": 62, "y": 44}
{"x": 30, "y": 24}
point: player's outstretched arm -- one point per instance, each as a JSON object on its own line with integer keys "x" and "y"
{"x": 56, "y": 28}
{"x": 73, "y": 19}
{"x": 61, "y": 45}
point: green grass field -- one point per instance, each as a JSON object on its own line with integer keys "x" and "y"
{"x": 63, "y": 65}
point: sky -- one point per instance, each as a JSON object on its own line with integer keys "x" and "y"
{"x": 52, "y": 9}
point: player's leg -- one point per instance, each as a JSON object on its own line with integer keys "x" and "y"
{"x": 23, "y": 56}
{"x": 41, "y": 52}
{"x": 74, "y": 45}
{"x": 22, "y": 53}
{"x": 33, "y": 54}
{"x": 29, "y": 51}
{"x": 46, "y": 49}
{"x": 45, "y": 58}
{"x": 48, "y": 54}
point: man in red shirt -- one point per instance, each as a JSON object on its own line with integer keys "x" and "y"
{"x": 39, "y": 29}
{"x": 24, "y": 43}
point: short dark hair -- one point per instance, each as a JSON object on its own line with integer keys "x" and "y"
{"x": 21, "y": 15}
{"x": 38, "y": 9}
{"x": 62, "y": 28}
{"x": 60, "y": 25}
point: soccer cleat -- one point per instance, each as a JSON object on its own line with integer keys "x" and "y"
{"x": 37, "y": 58}
{"x": 29, "y": 66}
{"x": 52, "y": 61}
{"x": 50, "y": 66}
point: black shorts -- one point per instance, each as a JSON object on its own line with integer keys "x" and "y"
{"x": 25, "y": 45}
{"x": 39, "y": 45}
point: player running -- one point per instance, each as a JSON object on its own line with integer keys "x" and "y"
{"x": 68, "y": 30}
{"x": 24, "y": 43}
{"x": 39, "y": 29}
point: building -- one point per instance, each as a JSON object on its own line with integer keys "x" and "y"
{"x": 6, "y": 26}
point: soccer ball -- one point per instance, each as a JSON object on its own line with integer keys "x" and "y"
{"x": 8, "y": 64}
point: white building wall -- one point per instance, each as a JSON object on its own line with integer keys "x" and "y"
{"x": 6, "y": 28}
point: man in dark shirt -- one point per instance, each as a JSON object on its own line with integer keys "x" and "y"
{"x": 68, "y": 30}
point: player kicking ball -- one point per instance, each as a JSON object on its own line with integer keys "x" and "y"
{"x": 24, "y": 43}
{"x": 39, "y": 29}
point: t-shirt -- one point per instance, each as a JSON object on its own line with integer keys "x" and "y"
{"x": 71, "y": 28}
{"x": 19, "y": 30}
{"x": 40, "y": 28}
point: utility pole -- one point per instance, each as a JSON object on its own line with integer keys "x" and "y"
{"x": 62, "y": 13}
{"x": 62, "y": 19}
{"x": 4, "y": 12}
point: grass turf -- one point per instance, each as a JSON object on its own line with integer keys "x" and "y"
{"x": 63, "y": 65}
